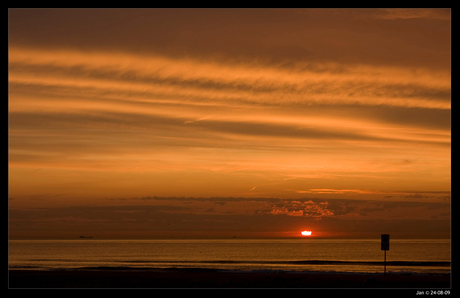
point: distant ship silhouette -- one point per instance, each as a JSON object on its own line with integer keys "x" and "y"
{"x": 85, "y": 237}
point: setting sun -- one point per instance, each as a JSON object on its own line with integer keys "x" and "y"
{"x": 306, "y": 233}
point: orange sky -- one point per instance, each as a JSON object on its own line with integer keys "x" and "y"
{"x": 217, "y": 122}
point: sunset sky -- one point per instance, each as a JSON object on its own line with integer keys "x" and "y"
{"x": 167, "y": 123}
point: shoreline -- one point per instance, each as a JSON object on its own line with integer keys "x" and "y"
{"x": 174, "y": 278}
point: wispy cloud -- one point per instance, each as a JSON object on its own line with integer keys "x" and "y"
{"x": 243, "y": 99}
{"x": 335, "y": 191}
{"x": 227, "y": 84}
{"x": 402, "y": 13}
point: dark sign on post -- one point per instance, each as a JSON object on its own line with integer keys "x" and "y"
{"x": 385, "y": 242}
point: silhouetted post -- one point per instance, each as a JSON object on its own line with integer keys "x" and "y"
{"x": 385, "y": 264}
{"x": 385, "y": 246}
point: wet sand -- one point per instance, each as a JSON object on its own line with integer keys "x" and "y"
{"x": 169, "y": 279}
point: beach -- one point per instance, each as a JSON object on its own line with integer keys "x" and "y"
{"x": 192, "y": 278}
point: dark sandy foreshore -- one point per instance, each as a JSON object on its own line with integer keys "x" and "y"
{"x": 19, "y": 279}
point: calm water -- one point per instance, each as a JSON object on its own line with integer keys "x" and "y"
{"x": 328, "y": 255}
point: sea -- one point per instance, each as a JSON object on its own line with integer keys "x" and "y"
{"x": 405, "y": 256}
